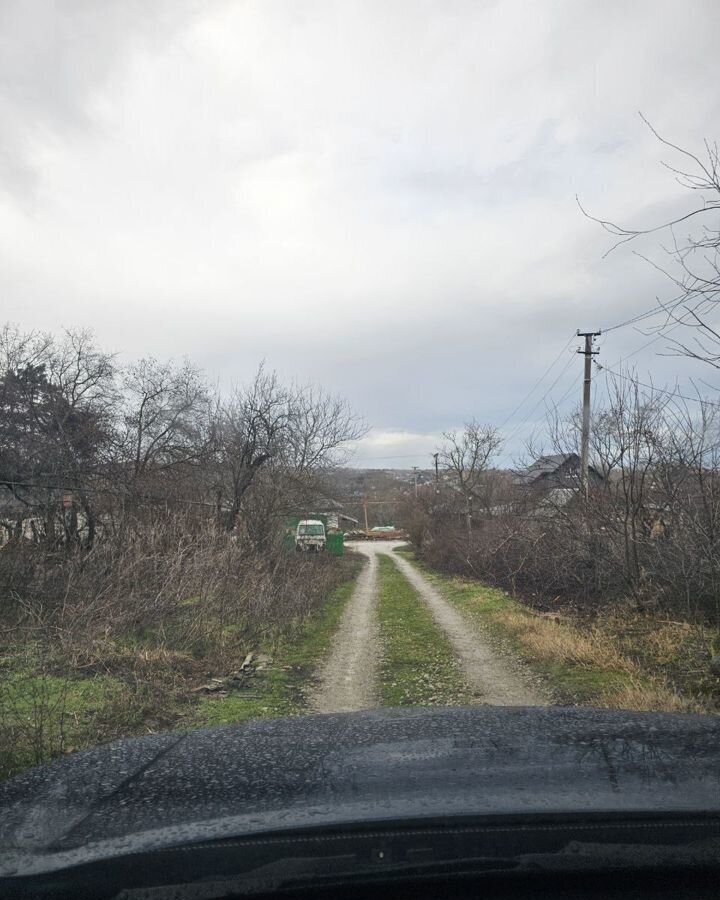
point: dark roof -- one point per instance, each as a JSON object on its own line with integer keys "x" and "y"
{"x": 562, "y": 469}
{"x": 547, "y": 465}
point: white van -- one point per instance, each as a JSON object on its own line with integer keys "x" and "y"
{"x": 310, "y": 535}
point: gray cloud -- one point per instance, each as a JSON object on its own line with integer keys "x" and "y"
{"x": 377, "y": 196}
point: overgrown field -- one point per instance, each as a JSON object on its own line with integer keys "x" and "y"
{"x": 154, "y": 637}
{"x": 619, "y": 658}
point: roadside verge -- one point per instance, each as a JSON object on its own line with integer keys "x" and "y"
{"x": 580, "y": 663}
{"x": 284, "y": 671}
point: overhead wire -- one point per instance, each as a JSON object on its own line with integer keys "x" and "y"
{"x": 664, "y": 330}
{"x": 537, "y": 383}
{"x": 398, "y": 456}
{"x": 507, "y": 418}
{"x": 517, "y": 428}
{"x": 680, "y": 322}
{"x": 653, "y": 387}
{"x": 569, "y": 391}
{"x": 649, "y": 313}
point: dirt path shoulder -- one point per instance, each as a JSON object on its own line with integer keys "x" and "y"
{"x": 348, "y": 679}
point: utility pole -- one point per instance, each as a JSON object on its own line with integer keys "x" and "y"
{"x": 436, "y": 456}
{"x": 588, "y": 353}
{"x": 367, "y": 529}
{"x": 415, "y": 471}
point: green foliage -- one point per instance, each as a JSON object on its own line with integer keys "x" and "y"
{"x": 43, "y": 715}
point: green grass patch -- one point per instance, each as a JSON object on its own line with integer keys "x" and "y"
{"x": 140, "y": 683}
{"x": 419, "y": 667}
{"x": 44, "y": 715}
{"x": 280, "y": 689}
{"x": 269, "y": 694}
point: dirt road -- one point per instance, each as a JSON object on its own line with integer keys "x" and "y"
{"x": 348, "y": 681}
{"x": 496, "y": 680}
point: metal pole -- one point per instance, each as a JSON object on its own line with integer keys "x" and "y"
{"x": 588, "y": 353}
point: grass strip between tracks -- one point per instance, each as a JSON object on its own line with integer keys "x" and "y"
{"x": 418, "y": 666}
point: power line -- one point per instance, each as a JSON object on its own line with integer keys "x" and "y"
{"x": 537, "y": 383}
{"x": 663, "y": 332}
{"x": 113, "y": 492}
{"x": 655, "y": 389}
{"x": 547, "y": 392}
{"x": 569, "y": 391}
{"x": 401, "y": 456}
{"x": 649, "y": 313}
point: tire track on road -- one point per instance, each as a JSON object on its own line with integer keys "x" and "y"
{"x": 491, "y": 675}
{"x": 348, "y": 681}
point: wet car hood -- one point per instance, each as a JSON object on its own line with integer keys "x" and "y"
{"x": 276, "y": 775}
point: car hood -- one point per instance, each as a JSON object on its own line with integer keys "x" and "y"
{"x": 412, "y": 764}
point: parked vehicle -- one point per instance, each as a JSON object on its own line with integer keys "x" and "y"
{"x": 310, "y": 535}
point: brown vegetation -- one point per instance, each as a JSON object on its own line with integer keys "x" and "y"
{"x": 642, "y": 549}
{"x": 143, "y": 535}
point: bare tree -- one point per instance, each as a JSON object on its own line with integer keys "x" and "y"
{"x": 162, "y": 417}
{"x": 695, "y": 273}
{"x": 297, "y": 433}
{"x": 628, "y": 439}
{"x": 465, "y": 456}
{"x": 58, "y": 398}
{"x": 320, "y": 426}
{"x": 248, "y": 431}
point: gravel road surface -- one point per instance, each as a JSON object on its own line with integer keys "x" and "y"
{"x": 348, "y": 681}
{"x": 493, "y": 676}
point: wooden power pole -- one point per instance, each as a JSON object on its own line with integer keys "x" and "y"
{"x": 588, "y": 353}
{"x": 436, "y": 456}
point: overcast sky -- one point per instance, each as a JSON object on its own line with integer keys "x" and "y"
{"x": 375, "y": 196}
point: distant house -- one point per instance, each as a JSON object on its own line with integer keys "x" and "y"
{"x": 30, "y": 518}
{"x": 559, "y": 471}
{"x": 330, "y": 511}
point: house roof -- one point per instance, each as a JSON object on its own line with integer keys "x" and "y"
{"x": 549, "y": 464}
{"x": 546, "y": 465}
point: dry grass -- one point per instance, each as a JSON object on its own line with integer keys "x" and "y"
{"x": 553, "y": 642}
{"x": 153, "y": 619}
{"x": 655, "y": 696}
{"x": 597, "y": 650}
{"x": 621, "y": 659}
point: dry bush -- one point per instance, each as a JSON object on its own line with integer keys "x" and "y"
{"x": 175, "y": 581}
{"x": 96, "y": 645}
